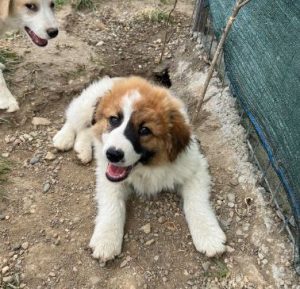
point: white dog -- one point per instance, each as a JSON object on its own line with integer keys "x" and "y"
{"x": 37, "y": 19}
{"x": 143, "y": 142}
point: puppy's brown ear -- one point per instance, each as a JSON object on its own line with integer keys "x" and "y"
{"x": 179, "y": 134}
{"x": 5, "y": 10}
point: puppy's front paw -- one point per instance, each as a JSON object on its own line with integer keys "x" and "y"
{"x": 106, "y": 246}
{"x": 84, "y": 149}
{"x": 8, "y": 102}
{"x": 64, "y": 139}
{"x": 211, "y": 242}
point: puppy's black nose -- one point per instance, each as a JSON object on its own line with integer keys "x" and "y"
{"x": 114, "y": 155}
{"x": 52, "y": 32}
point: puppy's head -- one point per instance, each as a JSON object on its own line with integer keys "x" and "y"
{"x": 138, "y": 122}
{"x": 36, "y": 17}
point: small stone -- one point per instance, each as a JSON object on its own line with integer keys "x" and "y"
{"x": 8, "y": 279}
{"x": 205, "y": 266}
{"x": 5, "y": 155}
{"x": 231, "y": 197}
{"x": 229, "y": 249}
{"x": 161, "y": 219}
{"x": 190, "y": 282}
{"x": 156, "y": 258}
{"x": 16, "y": 247}
{"x": 100, "y": 43}
{"x": 25, "y": 245}
{"x": 234, "y": 182}
{"x": 52, "y": 274}
{"x": 150, "y": 242}
{"x": 146, "y": 228}
{"x": 40, "y": 121}
{"x": 230, "y": 205}
{"x": 34, "y": 160}
{"x": 94, "y": 280}
{"x": 75, "y": 269}
{"x": 2, "y": 217}
{"x": 125, "y": 262}
{"x": 46, "y": 188}
{"x": 165, "y": 279}
{"x": 5, "y": 270}
{"x": 50, "y": 156}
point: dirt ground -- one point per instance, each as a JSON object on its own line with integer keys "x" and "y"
{"x": 47, "y": 207}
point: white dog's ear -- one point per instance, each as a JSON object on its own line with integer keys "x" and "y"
{"x": 5, "y": 9}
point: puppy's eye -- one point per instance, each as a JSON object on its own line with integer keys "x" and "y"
{"x": 31, "y": 7}
{"x": 143, "y": 131}
{"x": 114, "y": 121}
{"x": 52, "y": 5}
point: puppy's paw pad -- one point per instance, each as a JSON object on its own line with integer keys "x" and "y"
{"x": 64, "y": 139}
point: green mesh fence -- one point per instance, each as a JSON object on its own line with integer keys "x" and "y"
{"x": 262, "y": 62}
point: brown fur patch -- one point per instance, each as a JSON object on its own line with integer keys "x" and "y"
{"x": 156, "y": 109}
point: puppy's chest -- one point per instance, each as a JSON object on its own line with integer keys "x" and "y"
{"x": 151, "y": 183}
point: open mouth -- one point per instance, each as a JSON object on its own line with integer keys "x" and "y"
{"x": 35, "y": 39}
{"x": 117, "y": 174}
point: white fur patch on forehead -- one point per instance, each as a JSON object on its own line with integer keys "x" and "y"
{"x": 128, "y": 101}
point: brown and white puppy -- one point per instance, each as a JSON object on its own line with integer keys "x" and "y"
{"x": 36, "y": 18}
{"x": 144, "y": 143}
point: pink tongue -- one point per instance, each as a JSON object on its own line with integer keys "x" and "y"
{"x": 37, "y": 40}
{"x": 115, "y": 171}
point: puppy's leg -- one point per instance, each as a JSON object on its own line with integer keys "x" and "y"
{"x": 206, "y": 233}
{"x": 7, "y": 101}
{"x": 64, "y": 139}
{"x": 84, "y": 145}
{"x": 107, "y": 238}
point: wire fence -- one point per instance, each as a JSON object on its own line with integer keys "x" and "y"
{"x": 276, "y": 194}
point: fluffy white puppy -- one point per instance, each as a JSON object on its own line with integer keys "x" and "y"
{"x": 143, "y": 142}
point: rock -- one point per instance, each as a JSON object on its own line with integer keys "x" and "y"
{"x": 36, "y": 121}
{"x": 156, "y": 258}
{"x": 2, "y": 217}
{"x": 231, "y": 197}
{"x": 50, "y": 156}
{"x": 150, "y": 242}
{"x": 161, "y": 219}
{"x": 229, "y": 249}
{"x": 234, "y": 182}
{"x": 205, "y": 266}
{"x": 5, "y": 155}
{"x": 46, "y": 188}
{"x": 34, "y": 160}
{"x": 146, "y": 228}
{"x": 52, "y": 274}
{"x": 16, "y": 247}
{"x": 8, "y": 279}
{"x": 5, "y": 270}
{"x": 94, "y": 280}
{"x": 231, "y": 205}
{"x": 100, "y": 43}
{"x": 125, "y": 262}
{"x": 165, "y": 279}
{"x": 25, "y": 245}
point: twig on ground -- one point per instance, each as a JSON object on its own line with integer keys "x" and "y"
{"x": 239, "y": 4}
{"x": 167, "y": 37}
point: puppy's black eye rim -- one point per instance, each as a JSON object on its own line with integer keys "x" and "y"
{"x": 143, "y": 131}
{"x": 31, "y": 7}
{"x": 52, "y": 5}
{"x": 114, "y": 121}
